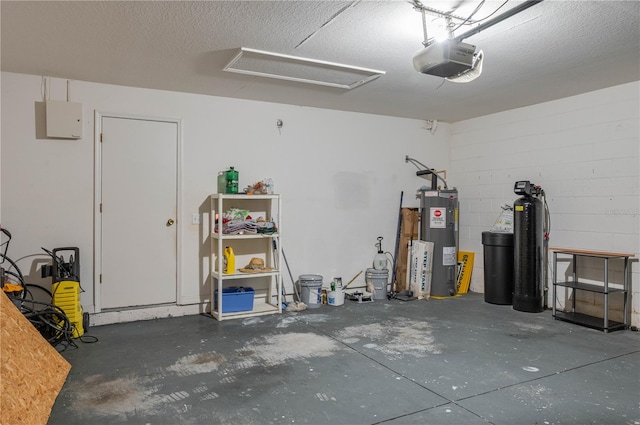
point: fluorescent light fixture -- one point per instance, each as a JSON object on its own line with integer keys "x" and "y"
{"x": 303, "y": 70}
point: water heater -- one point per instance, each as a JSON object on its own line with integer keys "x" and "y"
{"x": 529, "y": 248}
{"x": 439, "y": 224}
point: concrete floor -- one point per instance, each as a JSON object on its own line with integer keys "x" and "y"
{"x": 454, "y": 361}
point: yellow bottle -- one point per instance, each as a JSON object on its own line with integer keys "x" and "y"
{"x": 229, "y": 261}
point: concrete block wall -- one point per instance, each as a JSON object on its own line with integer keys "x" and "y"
{"x": 583, "y": 151}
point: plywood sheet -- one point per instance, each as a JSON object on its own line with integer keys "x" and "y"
{"x": 408, "y": 232}
{"x": 32, "y": 372}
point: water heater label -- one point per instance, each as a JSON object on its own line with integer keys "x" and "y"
{"x": 438, "y": 218}
{"x": 449, "y": 256}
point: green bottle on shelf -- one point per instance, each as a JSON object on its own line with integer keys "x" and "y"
{"x": 231, "y": 176}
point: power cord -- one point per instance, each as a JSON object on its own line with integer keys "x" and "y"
{"x": 52, "y": 323}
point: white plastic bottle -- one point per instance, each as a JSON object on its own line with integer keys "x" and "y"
{"x": 380, "y": 259}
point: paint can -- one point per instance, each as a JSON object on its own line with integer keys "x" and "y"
{"x": 336, "y": 298}
{"x": 336, "y": 283}
{"x": 311, "y": 290}
{"x": 377, "y": 280}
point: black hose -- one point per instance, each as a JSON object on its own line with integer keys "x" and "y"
{"x": 51, "y": 321}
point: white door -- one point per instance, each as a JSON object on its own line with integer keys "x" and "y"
{"x": 138, "y": 197}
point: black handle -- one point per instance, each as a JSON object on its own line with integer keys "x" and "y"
{"x": 71, "y": 248}
{"x": 6, "y": 232}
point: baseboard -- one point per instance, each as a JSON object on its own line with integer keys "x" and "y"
{"x": 145, "y": 313}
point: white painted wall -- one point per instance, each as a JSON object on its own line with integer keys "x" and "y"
{"x": 583, "y": 151}
{"x": 340, "y": 175}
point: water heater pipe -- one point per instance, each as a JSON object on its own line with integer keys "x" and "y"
{"x": 425, "y": 171}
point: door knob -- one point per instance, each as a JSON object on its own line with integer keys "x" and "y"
{"x": 170, "y": 222}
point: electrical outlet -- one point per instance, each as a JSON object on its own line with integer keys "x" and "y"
{"x": 195, "y": 218}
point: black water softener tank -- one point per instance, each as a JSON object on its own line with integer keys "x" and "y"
{"x": 528, "y": 244}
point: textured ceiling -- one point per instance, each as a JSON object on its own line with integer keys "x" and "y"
{"x": 551, "y": 50}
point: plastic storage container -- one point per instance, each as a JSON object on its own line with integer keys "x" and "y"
{"x": 498, "y": 267}
{"x": 235, "y": 299}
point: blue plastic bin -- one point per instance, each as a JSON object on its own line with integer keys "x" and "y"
{"x": 235, "y": 299}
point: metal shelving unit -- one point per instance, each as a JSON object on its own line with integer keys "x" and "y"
{"x": 603, "y": 324}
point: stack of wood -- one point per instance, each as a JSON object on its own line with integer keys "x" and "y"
{"x": 408, "y": 232}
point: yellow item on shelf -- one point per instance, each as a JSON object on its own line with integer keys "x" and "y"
{"x": 229, "y": 261}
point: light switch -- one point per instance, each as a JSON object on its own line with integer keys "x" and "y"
{"x": 195, "y": 218}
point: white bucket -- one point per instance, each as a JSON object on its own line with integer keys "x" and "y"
{"x": 336, "y": 298}
{"x": 377, "y": 280}
{"x": 311, "y": 290}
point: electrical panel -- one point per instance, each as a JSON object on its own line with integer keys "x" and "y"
{"x": 64, "y": 119}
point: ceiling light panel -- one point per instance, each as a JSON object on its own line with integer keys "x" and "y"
{"x": 294, "y": 68}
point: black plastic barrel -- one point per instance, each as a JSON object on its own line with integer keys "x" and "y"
{"x": 498, "y": 267}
